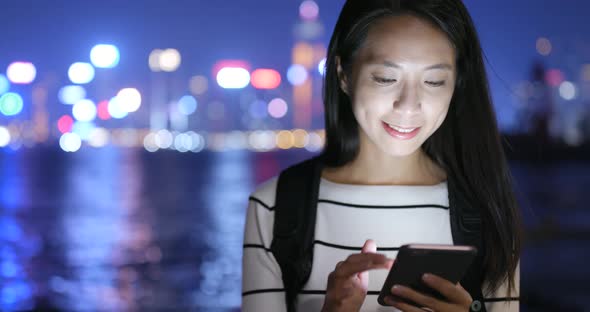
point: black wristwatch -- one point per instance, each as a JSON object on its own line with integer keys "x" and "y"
{"x": 475, "y": 306}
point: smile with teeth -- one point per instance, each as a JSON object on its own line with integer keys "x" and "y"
{"x": 402, "y": 130}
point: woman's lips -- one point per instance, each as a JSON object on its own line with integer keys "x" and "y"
{"x": 401, "y": 133}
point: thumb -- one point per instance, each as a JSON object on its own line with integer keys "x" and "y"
{"x": 368, "y": 247}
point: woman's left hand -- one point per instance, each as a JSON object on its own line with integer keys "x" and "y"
{"x": 458, "y": 299}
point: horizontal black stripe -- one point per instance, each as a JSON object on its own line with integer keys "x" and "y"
{"x": 263, "y": 204}
{"x": 256, "y": 246}
{"x": 501, "y": 299}
{"x": 319, "y": 242}
{"x": 380, "y": 207}
{"x": 260, "y": 291}
{"x": 370, "y": 293}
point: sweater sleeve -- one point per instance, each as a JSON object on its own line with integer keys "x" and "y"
{"x": 262, "y": 285}
{"x": 501, "y": 300}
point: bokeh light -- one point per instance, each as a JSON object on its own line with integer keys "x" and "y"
{"x": 102, "y": 109}
{"x": 544, "y": 46}
{"x": 164, "y": 139}
{"x": 81, "y": 73}
{"x": 266, "y": 79}
{"x": 11, "y": 104}
{"x": 21, "y": 72}
{"x": 187, "y": 105}
{"x": 301, "y": 138}
{"x": 104, "y": 56}
{"x": 199, "y": 85}
{"x": 285, "y": 139}
{"x": 297, "y": 74}
{"x": 322, "y": 67}
{"x": 303, "y": 54}
{"x": 567, "y": 90}
{"x": 4, "y": 84}
{"x": 70, "y": 142}
{"x": 4, "y": 137}
{"x": 115, "y": 109}
{"x": 71, "y": 94}
{"x": 277, "y": 108}
{"x": 83, "y": 129}
{"x": 309, "y": 10}
{"x": 154, "y": 60}
{"x": 233, "y": 78}
{"x": 129, "y": 99}
{"x": 315, "y": 143}
{"x": 65, "y": 124}
{"x": 149, "y": 142}
{"x": 84, "y": 110}
{"x": 554, "y": 77}
{"x": 169, "y": 60}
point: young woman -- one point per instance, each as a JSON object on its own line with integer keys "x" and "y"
{"x": 408, "y": 115}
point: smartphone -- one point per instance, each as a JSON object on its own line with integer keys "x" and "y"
{"x": 447, "y": 261}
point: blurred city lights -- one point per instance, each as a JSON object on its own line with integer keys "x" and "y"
{"x": 70, "y": 142}
{"x": 104, "y": 56}
{"x": 21, "y": 72}
{"x": 567, "y": 90}
{"x": 164, "y": 139}
{"x": 233, "y": 78}
{"x": 266, "y": 79}
{"x": 322, "y": 67}
{"x": 303, "y": 54}
{"x": 4, "y": 84}
{"x": 296, "y": 74}
{"x": 65, "y": 124}
{"x": 285, "y": 139}
{"x": 315, "y": 142}
{"x": 309, "y": 10}
{"x": 169, "y": 60}
{"x": 300, "y": 138}
{"x": 198, "y": 141}
{"x": 4, "y": 137}
{"x": 115, "y": 109}
{"x": 236, "y": 140}
{"x": 199, "y": 85}
{"x": 71, "y": 94}
{"x": 83, "y": 129}
{"x": 277, "y": 108}
{"x": 11, "y": 104}
{"x": 229, "y": 63}
{"x": 554, "y": 77}
{"x": 258, "y": 109}
{"x": 103, "y": 110}
{"x": 262, "y": 140}
{"x": 99, "y": 137}
{"x": 544, "y": 46}
{"x": 187, "y": 105}
{"x": 154, "y": 60}
{"x": 129, "y": 99}
{"x": 183, "y": 142}
{"x": 149, "y": 142}
{"x": 81, "y": 73}
{"x": 84, "y": 110}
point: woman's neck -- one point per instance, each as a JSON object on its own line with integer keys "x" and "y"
{"x": 382, "y": 169}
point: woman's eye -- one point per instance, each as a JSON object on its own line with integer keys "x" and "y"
{"x": 435, "y": 83}
{"x": 383, "y": 80}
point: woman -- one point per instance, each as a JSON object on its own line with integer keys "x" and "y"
{"x": 408, "y": 110}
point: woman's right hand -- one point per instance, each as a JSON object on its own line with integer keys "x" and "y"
{"x": 349, "y": 282}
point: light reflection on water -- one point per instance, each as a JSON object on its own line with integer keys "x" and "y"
{"x": 126, "y": 230}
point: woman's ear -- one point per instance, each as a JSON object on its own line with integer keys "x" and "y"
{"x": 341, "y": 76}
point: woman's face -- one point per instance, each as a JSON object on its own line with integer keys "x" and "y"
{"x": 401, "y": 84}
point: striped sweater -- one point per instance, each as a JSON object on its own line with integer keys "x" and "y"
{"x": 347, "y": 215}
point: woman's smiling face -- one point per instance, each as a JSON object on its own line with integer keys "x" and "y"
{"x": 401, "y": 84}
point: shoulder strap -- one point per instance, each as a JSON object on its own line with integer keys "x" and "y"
{"x": 294, "y": 225}
{"x": 466, "y": 227}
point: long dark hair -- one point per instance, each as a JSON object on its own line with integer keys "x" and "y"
{"x": 467, "y": 144}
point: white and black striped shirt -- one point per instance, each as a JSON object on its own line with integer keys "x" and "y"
{"x": 347, "y": 215}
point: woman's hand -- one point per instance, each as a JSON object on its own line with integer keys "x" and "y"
{"x": 349, "y": 282}
{"x": 458, "y": 299}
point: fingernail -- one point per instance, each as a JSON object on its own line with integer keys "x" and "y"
{"x": 396, "y": 288}
{"x": 427, "y": 277}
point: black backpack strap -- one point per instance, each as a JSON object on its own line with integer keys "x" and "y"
{"x": 294, "y": 225}
{"x": 466, "y": 227}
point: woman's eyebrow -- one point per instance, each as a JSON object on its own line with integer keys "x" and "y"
{"x": 446, "y": 66}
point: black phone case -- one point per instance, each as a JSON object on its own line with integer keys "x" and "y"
{"x": 410, "y": 264}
